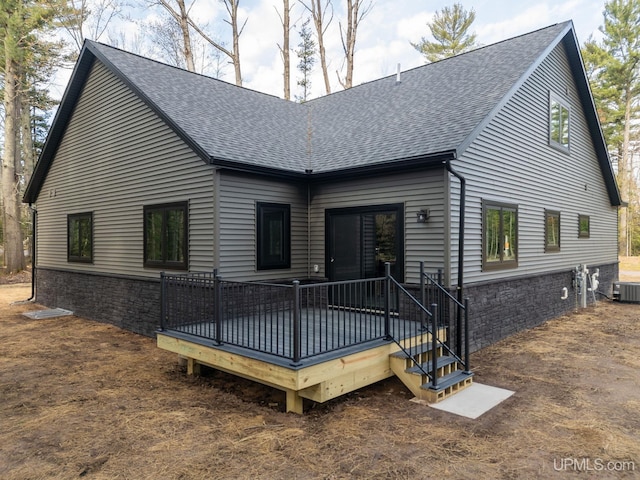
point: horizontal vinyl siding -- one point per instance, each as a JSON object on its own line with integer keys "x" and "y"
{"x": 511, "y": 162}
{"x": 416, "y": 190}
{"x": 238, "y": 197}
{"x": 117, "y": 156}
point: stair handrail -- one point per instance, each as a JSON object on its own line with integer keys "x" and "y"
{"x": 389, "y": 280}
{"x": 430, "y": 315}
{"x": 464, "y": 307}
{"x": 442, "y": 289}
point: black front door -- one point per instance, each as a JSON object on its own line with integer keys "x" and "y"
{"x": 360, "y": 240}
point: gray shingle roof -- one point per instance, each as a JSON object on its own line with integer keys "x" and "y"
{"x": 433, "y": 109}
{"x": 225, "y": 121}
{"x": 431, "y": 115}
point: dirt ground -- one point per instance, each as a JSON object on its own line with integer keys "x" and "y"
{"x": 85, "y": 399}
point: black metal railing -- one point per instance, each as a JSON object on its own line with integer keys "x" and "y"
{"x": 295, "y": 321}
{"x": 452, "y": 315}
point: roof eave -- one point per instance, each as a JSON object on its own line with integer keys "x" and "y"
{"x": 589, "y": 107}
{"x": 59, "y": 125}
{"x": 235, "y": 166}
{"x": 88, "y": 55}
{"x": 394, "y": 166}
{"x": 197, "y": 148}
{"x": 568, "y": 37}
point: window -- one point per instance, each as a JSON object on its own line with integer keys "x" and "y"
{"x": 500, "y": 236}
{"x": 165, "y": 236}
{"x": 80, "y": 237}
{"x": 273, "y": 233}
{"x": 583, "y": 226}
{"x": 551, "y": 231}
{"x": 558, "y": 123}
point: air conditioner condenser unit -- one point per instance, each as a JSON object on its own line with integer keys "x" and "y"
{"x": 626, "y": 292}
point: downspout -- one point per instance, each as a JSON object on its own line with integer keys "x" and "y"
{"x": 463, "y": 183}
{"x": 459, "y": 289}
{"x": 34, "y": 215}
{"x": 308, "y": 230}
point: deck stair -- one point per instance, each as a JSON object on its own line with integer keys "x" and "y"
{"x": 413, "y": 367}
{"x": 434, "y": 364}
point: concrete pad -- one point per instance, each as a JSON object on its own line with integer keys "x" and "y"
{"x": 51, "y": 313}
{"x": 473, "y": 401}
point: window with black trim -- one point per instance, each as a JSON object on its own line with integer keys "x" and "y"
{"x": 551, "y": 231}
{"x": 559, "y": 114}
{"x": 165, "y": 236}
{"x": 273, "y": 236}
{"x": 584, "y": 226}
{"x": 500, "y": 235}
{"x": 80, "y": 237}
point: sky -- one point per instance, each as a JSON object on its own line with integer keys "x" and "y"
{"x": 383, "y": 39}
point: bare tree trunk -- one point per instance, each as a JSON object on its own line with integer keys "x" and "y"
{"x": 13, "y": 248}
{"x": 232, "y": 8}
{"x": 234, "y": 55}
{"x": 284, "y": 50}
{"x": 354, "y": 15}
{"x": 28, "y": 152}
{"x": 186, "y": 37}
{"x": 319, "y": 20}
{"x": 182, "y": 17}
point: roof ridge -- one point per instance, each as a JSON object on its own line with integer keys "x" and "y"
{"x": 475, "y": 50}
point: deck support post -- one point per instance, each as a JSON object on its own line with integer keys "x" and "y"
{"x": 294, "y": 402}
{"x": 193, "y": 367}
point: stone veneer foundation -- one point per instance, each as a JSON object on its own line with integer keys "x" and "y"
{"x": 497, "y": 309}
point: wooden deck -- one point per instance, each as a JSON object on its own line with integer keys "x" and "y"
{"x": 348, "y": 353}
{"x": 321, "y": 331}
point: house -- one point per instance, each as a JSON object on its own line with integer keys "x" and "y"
{"x": 490, "y": 166}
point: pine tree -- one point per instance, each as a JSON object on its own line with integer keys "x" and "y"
{"x": 23, "y": 24}
{"x": 306, "y": 53}
{"x": 449, "y": 29}
{"x": 613, "y": 67}
{"x": 319, "y": 14}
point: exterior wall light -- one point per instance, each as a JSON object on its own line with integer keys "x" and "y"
{"x": 423, "y": 215}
